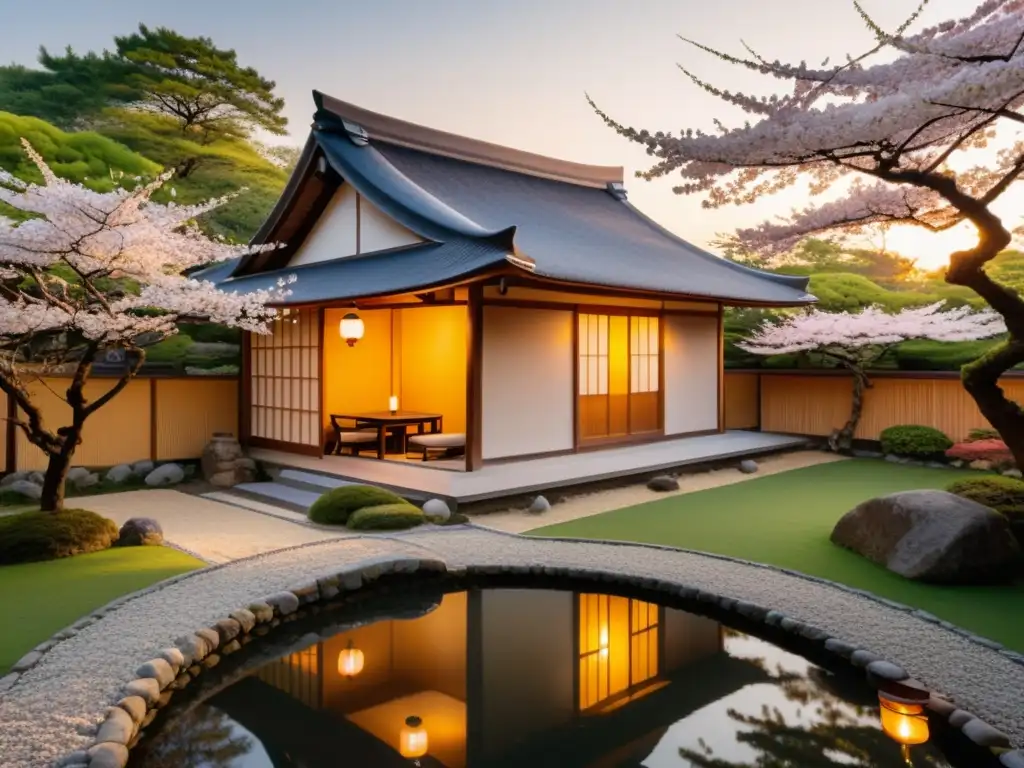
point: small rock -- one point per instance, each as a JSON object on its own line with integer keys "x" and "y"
{"x": 438, "y": 509}
{"x": 87, "y": 481}
{"x": 193, "y": 648}
{"x": 36, "y": 477}
{"x": 13, "y": 477}
{"x": 886, "y": 670}
{"x": 984, "y": 735}
{"x": 143, "y": 468}
{"x": 108, "y": 755}
{"x": 165, "y": 474}
{"x": 211, "y": 636}
{"x": 960, "y": 718}
{"x": 74, "y": 759}
{"x": 119, "y": 474}
{"x": 118, "y": 727}
{"x": 138, "y": 531}
{"x": 27, "y": 661}
{"x": 77, "y": 473}
{"x": 246, "y": 620}
{"x": 228, "y": 629}
{"x": 174, "y": 657}
{"x": 159, "y": 670}
{"x": 981, "y": 464}
{"x": 941, "y": 706}
{"x": 1014, "y": 759}
{"x": 840, "y": 647}
{"x": 230, "y": 648}
{"x": 862, "y": 658}
{"x": 263, "y": 612}
{"x": 861, "y": 454}
{"x": 957, "y": 464}
{"x": 134, "y": 706}
{"x": 145, "y": 688}
{"x": 663, "y": 483}
{"x": 283, "y": 602}
{"x": 1013, "y": 473}
{"x": 27, "y": 489}
{"x": 539, "y": 505}
{"x": 7, "y": 681}
{"x": 307, "y": 593}
{"x": 894, "y": 459}
{"x": 748, "y": 466}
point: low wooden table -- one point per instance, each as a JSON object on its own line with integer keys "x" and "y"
{"x": 385, "y": 420}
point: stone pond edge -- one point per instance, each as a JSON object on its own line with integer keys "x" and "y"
{"x": 176, "y": 666}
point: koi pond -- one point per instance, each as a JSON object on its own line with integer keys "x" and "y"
{"x": 530, "y": 677}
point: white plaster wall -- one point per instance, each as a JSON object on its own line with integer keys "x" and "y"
{"x": 691, "y": 373}
{"x": 527, "y": 381}
{"x": 378, "y": 231}
{"x": 334, "y": 234}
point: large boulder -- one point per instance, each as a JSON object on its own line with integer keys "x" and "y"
{"x": 224, "y": 464}
{"x": 27, "y": 488}
{"x": 931, "y": 536}
{"x": 140, "y": 531}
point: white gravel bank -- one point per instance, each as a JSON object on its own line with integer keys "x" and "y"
{"x": 55, "y": 706}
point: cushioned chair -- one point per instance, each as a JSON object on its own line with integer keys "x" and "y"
{"x": 355, "y": 439}
{"x": 447, "y": 443}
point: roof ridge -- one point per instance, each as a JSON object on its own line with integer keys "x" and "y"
{"x": 392, "y": 130}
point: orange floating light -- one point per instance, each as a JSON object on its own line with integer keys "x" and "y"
{"x": 903, "y": 720}
{"x": 350, "y": 661}
{"x": 413, "y": 738}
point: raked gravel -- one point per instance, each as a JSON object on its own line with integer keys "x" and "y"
{"x": 56, "y": 706}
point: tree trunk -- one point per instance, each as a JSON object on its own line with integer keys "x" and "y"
{"x": 52, "y": 499}
{"x": 981, "y": 380}
{"x": 841, "y": 440}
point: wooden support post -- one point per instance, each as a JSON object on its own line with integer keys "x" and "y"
{"x": 152, "y": 419}
{"x": 11, "y": 460}
{"x": 474, "y": 378}
{"x": 721, "y": 368}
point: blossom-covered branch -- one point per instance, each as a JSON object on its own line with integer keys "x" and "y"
{"x": 86, "y": 272}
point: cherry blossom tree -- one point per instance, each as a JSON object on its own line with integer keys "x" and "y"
{"x": 923, "y": 129}
{"x": 857, "y": 341}
{"x": 85, "y": 273}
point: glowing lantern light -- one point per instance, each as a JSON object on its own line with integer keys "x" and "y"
{"x": 602, "y": 642}
{"x": 351, "y": 328}
{"x": 413, "y": 741}
{"x": 903, "y": 721}
{"x": 350, "y": 661}
{"x": 393, "y": 404}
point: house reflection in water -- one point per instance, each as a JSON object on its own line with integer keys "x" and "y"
{"x": 498, "y": 677}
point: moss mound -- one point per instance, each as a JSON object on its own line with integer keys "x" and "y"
{"x": 386, "y": 517}
{"x": 1003, "y": 494}
{"x": 915, "y": 441}
{"x": 31, "y": 536}
{"x": 335, "y": 506}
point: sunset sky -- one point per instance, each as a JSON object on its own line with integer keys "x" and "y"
{"x": 512, "y": 72}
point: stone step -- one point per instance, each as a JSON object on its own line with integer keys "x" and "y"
{"x": 313, "y": 479}
{"x": 246, "y": 502}
{"x": 280, "y": 492}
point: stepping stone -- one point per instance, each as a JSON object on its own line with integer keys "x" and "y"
{"x": 311, "y": 478}
{"x": 255, "y": 505}
{"x": 280, "y": 492}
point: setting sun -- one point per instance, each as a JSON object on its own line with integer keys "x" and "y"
{"x": 931, "y": 250}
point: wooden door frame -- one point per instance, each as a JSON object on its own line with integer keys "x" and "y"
{"x": 581, "y": 444}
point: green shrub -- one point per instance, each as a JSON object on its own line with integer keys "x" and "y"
{"x": 386, "y": 517}
{"x": 983, "y": 434}
{"x": 335, "y": 506}
{"x": 31, "y": 536}
{"x": 171, "y": 350}
{"x": 1003, "y": 494}
{"x": 916, "y": 441}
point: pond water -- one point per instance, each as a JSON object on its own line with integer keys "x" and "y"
{"x": 521, "y": 677}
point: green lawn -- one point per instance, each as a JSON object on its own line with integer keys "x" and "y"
{"x": 786, "y": 520}
{"x": 42, "y": 598}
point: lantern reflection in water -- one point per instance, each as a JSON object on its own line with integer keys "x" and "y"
{"x": 350, "y": 661}
{"x": 618, "y": 646}
{"x": 903, "y": 721}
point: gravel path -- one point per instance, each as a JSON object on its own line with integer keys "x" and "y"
{"x": 210, "y": 530}
{"x": 55, "y": 706}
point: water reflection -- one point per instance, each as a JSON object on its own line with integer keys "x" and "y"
{"x": 540, "y": 678}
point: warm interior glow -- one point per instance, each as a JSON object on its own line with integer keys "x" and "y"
{"x": 618, "y": 646}
{"x": 413, "y": 742}
{"x": 350, "y": 661}
{"x": 351, "y": 328}
{"x": 393, "y": 403}
{"x": 903, "y": 722}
